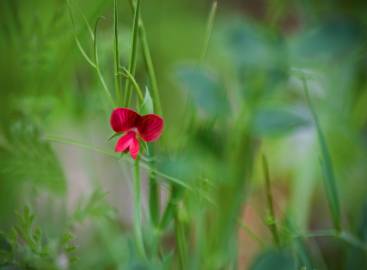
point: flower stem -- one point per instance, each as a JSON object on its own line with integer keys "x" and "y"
{"x": 272, "y": 223}
{"x": 137, "y": 210}
{"x": 154, "y": 201}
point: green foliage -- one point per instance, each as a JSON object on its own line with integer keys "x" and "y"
{"x": 30, "y": 158}
{"x": 195, "y": 188}
{"x": 27, "y": 247}
{"x": 204, "y": 89}
{"x": 274, "y": 259}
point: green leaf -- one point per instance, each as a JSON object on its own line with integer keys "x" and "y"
{"x": 205, "y": 89}
{"x": 274, "y": 259}
{"x": 32, "y": 160}
{"x": 327, "y": 166}
{"x": 147, "y": 105}
{"x": 278, "y": 121}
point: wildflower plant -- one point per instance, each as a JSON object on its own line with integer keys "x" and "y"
{"x": 213, "y": 168}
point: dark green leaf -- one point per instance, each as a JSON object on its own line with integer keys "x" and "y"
{"x": 205, "y": 89}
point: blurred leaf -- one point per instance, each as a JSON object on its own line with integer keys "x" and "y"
{"x": 147, "y": 105}
{"x": 30, "y": 158}
{"x": 330, "y": 39}
{"x": 356, "y": 258}
{"x": 95, "y": 206}
{"x": 327, "y": 166}
{"x": 205, "y": 89}
{"x": 274, "y": 259}
{"x": 277, "y": 121}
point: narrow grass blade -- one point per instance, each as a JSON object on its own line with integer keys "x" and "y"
{"x": 133, "y": 54}
{"x": 271, "y": 222}
{"x": 250, "y": 233}
{"x": 327, "y": 166}
{"x": 136, "y": 86}
{"x": 180, "y": 239}
{"x": 77, "y": 41}
{"x": 150, "y": 68}
{"x": 137, "y": 210}
{"x": 96, "y": 60}
{"x": 116, "y": 55}
{"x": 209, "y": 30}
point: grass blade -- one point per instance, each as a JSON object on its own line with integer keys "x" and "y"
{"x": 209, "y": 30}
{"x": 77, "y": 41}
{"x": 271, "y": 222}
{"x": 96, "y": 60}
{"x": 150, "y": 68}
{"x": 326, "y": 164}
{"x": 131, "y": 78}
{"x": 137, "y": 210}
{"x": 133, "y": 54}
{"x": 116, "y": 55}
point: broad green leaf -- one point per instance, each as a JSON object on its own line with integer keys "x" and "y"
{"x": 205, "y": 89}
{"x": 277, "y": 121}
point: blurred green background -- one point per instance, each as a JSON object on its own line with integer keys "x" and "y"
{"x": 222, "y": 113}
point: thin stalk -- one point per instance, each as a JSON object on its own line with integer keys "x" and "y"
{"x": 116, "y": 55}
{"x": 131, "y": 78}
{"x": 77, "y": 41}
{"x": 180, "y": 239}
{"x": 326, "y": 164}
{"x": 133, "y": 54}
{"x": 209, "y": 30}
{"x": 150, "y": 68}
{"x": 251, "y": 234}
{"x": 170, "y": 207}
{"x": 269, "y": 197}
{"x": 96, "y": 61}
{"x": 154, "y": 193}
{"x": 143, "y": 164}
{"x": 137, "y": 210}
{"x": 94, "y": 64}
{"x": 342, "y": 235}
{"x": 154, "y": 188}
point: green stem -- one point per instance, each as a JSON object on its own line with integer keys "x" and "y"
{"x": 342, "y": 235}
{"x": 170, "y": 207}
{"x": 137, "y": 210}
{"x": 326, "y": 164}
{"x": 180, "y": 239}
{"x": 154, "y": 195}
{"x": 209, "y": 30}
{"x": 96, "y": 61}
{"x": 116, "y": 55}
{"x": 251, "y": 234}
{"x": 133, "y": 54}
{"x": 131, "y": 78}
{"x": 272, "y": 223}
{"x": 150, "y": 68}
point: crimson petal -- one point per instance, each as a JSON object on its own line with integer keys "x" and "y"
{"x": 124, "y": 142}
{"x": 150, "y": 127}
{"x": 123, "y": 119}
{"x": 134, "y": 147}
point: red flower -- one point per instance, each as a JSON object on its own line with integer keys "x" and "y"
{"x": 147, "y": 127}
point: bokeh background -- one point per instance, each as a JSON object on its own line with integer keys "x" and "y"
{"x": 222, "y": 113}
